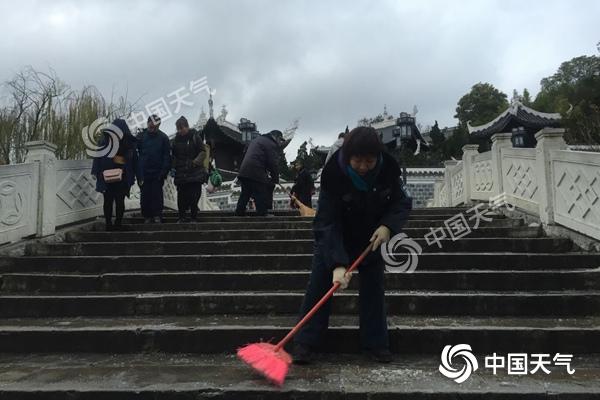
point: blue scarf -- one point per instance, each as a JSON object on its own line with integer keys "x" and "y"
{"x": 365, "y": 183}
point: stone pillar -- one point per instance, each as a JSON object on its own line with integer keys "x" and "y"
{"x": 448, "y": 178}
{"x": 44, "y": 153}
{"x": 437, "y": 185}
{"x": 469, "y": 151}
{"x": 548, "y": 139}
{"x": 499, "y": 141}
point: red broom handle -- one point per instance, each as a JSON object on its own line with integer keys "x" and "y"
{"x": 323, "y": 300}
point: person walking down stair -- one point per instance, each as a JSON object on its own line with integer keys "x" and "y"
{"x": 189, "y": 154}
{"x": 361, "y": 200}
{"x": 155, "y": 161}
{"x": 259, "y": 172}
{"x": 115, "y": 175}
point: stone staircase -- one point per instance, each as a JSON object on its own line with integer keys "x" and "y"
{"x": 157, "y": 311}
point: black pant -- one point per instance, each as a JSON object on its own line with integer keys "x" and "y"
{"x": 371, "y": 298}
{"x": 114, "y": 193}
{"x": 188, "y": 195}
{"x": 258, "y": 191}
{"x": 151, "y": 198}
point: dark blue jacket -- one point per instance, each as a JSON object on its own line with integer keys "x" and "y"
{"x": 154, "y": 155}
{"x": 100, "y": 164}
{"x": 346, "y": 217}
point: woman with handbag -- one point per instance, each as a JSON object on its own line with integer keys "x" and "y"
{"x": 115, "y": 175}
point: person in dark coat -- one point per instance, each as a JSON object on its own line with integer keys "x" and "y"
{"x": 125, "y": 159}
{"x": 188, "y": 154}
{"x": 304, "y": 186}
{"x": 154, "y": 164}
{"x": 259, "y": 172}
{"x": 361, "y": 200}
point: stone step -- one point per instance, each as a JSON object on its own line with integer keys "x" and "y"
{"x": 151, "y": 376}
{"x": 542, "y": 280}
{"x": 489, "y": 303}
{"x": 221, "y": 213}
{"x": 299, "y": 246}
{"x": 279, "y": 218}
{"x": 295, "y": 213}
{"x": 261, "y": 234}
{"x": 252, "y": 223}
{"x": 223, "y": 334}
{"x": 288, "y": 262}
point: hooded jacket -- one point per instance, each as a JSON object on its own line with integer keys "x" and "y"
{"x": 127, "y": 149}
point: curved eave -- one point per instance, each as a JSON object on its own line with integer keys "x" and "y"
{"x": 521, "y": 115}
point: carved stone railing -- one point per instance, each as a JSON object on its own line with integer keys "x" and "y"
{"x": 44, "y": 193}
{"x": 559, "y": 186}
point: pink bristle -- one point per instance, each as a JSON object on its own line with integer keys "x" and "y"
{"x": 266, "y": 359}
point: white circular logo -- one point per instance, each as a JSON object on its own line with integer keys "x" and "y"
{"x": 394, "y": 261}
{"x": 101, "y": 125}
{"x": 460, "y": 350}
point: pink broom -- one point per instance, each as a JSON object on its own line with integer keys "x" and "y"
{"x": 271, "y": 360}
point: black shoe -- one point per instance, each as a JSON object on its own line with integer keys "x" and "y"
{"x": 302, "y": 354}
{"x": 182, "y": 220}
{"x": 157, "y": 220}
{"x": 379, "y": 355}
{"x": 148, "y": 220}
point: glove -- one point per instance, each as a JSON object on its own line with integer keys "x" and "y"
{"x": 339, "y": 275}
{"x": 381, "y": 235}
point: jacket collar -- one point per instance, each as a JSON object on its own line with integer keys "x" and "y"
{"x": 335, "y": 179}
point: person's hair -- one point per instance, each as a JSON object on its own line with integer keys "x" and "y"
{"x": 276, "y": 134}
{"x": 182, "y": 122}
{"x": 155, "y": 119}
{"x": 361, "y": 141}
{"x": 341, "y": 135}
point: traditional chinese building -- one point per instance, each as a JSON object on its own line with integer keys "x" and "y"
{"x": 522, "y": 121}
{"x": 228, "y": 141}
{"x": 401, "y": 131}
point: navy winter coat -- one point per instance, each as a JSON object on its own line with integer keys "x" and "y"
{"x": 346, "y": 217}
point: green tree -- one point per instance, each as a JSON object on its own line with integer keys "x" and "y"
{"x": 574, "y": 91}
{"x": 482, "y": 104}
{"x": 437, "y": 137}
{"x": 526, "y": 98}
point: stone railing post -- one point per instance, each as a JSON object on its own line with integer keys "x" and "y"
{"x": 44, "y": 153}
{"x": 548, "y": 139}
{"x": 469, "y": 151}
{"x": 448, "y": 179}
{"x": 499, "y": 141}
{"x": 437, "y": 185}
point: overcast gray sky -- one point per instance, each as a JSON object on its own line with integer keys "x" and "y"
{"x": 328, "y": 63}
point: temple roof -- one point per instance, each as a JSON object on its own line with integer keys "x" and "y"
{"x": 517, "y": 114}
{"x": 220, "y": 129}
